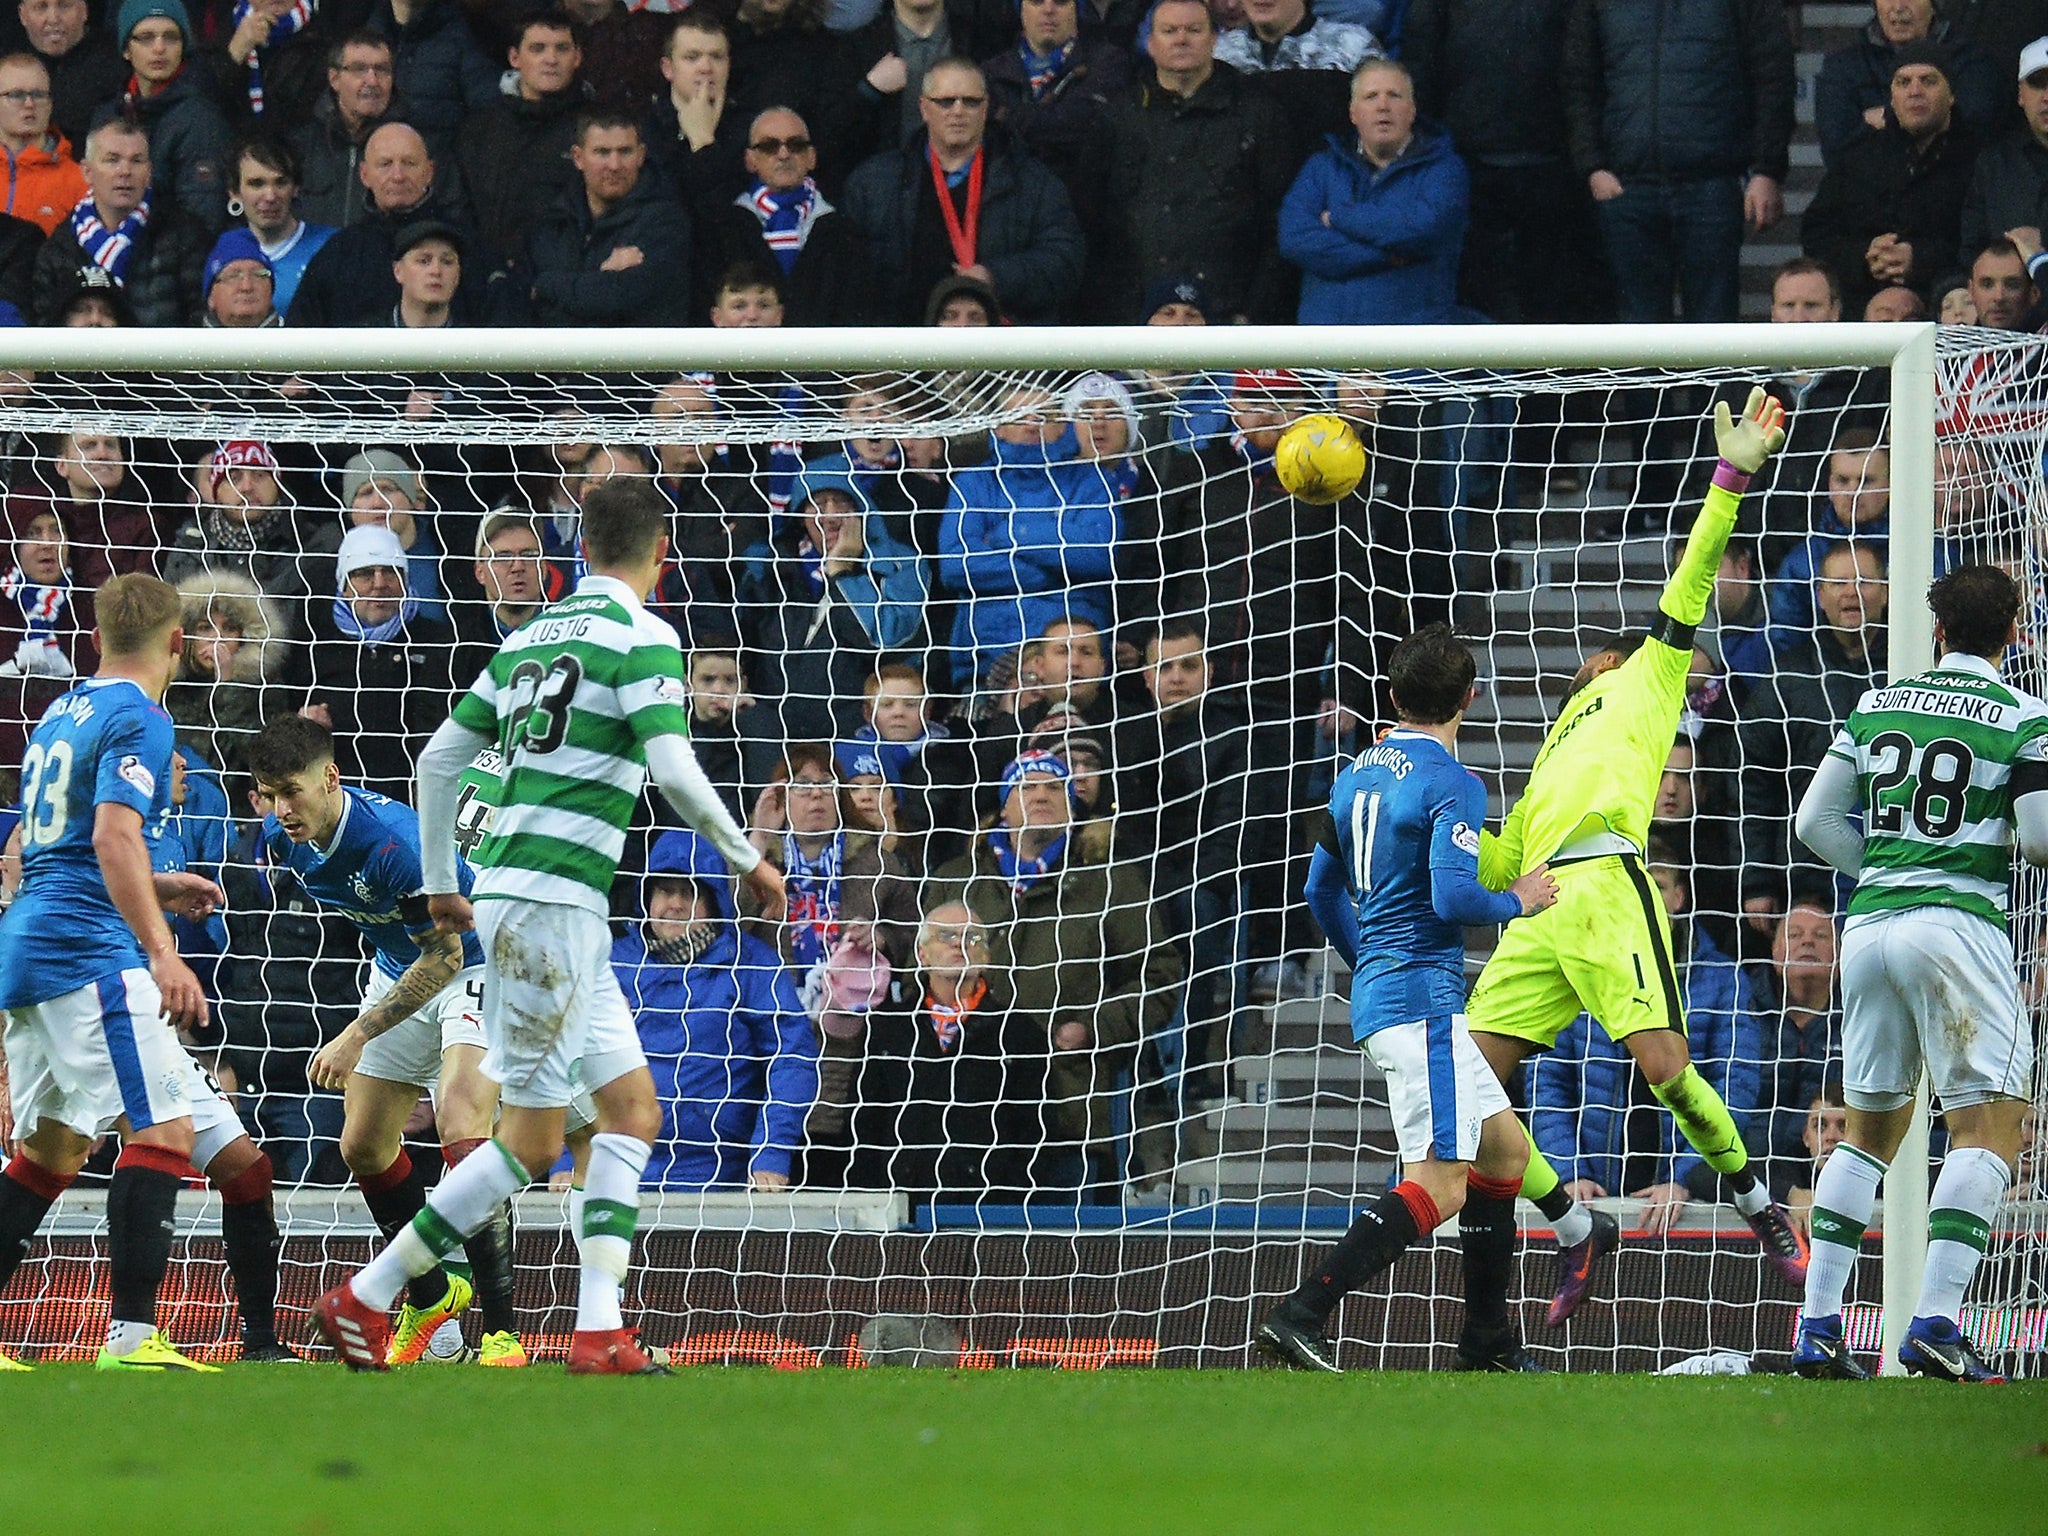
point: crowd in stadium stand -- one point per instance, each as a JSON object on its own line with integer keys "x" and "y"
{"x": 1036, "y": 725}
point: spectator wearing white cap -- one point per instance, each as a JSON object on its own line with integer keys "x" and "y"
{"x": 2009, "y": 188}
{"x": 245, "y": 522}
{"x": 380, "y": 489}
{"x": 380, "y": 666}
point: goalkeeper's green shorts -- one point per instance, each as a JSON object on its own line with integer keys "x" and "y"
{"x": 1603, "y": 949}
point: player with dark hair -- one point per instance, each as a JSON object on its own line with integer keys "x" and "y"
{"x": 1947, "y": 769}
{"x": 1605, "y": 948}
{"x": 1394, "y": 884}
{"x": 91, "y": 981}
{"x": 420, "y": 1027}
{"x": 584, "y": 703}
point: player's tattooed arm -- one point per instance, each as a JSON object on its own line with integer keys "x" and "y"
{"x": 439, "y": 963}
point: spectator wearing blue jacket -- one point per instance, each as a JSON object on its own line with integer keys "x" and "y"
{"x": 1376, "y": 220}
{"x": 1857, "y": 507}
{"x": 734, "y": 1058}
{"x": 822, "y": 601}
{"x": 1027, "y": 538}
{"x": 1593, "y": 1115}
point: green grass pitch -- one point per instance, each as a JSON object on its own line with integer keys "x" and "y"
{"x": 317, "y": 1452}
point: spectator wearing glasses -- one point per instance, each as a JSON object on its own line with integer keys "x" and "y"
{"x": 189, "y": 138}
{"x": 84, "y": 68}
{"x": 951, "y": 203}
{"x": 360, "y": 76}
{"x": 240, "y": 285}
{"x": 509, "y": 570}
{"x": 380, "y": 666}
{"x": 43, "y": 182}
{"x": 264, "y": 196}
{"x": 782, "y": 219}
{"x": 614, "y": 250}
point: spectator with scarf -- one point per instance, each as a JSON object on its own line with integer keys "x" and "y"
{"x": 836, "y": 872}
{"x": 732, "y": 1053}
{"x": 1027, "y": 538}
{"x": 46, "y": 629}
{"x": 1053, "y": 90}
{"x": 822, "y": 600}
{"x": 949, "y": 1103}
{"x": 380, "y": 666}
{"x": 245, "y": 524}
{"x": 931, "y": 769}
{"x": 782, "y": 218}
{"x": 274, "y": 72}
{"x": 127, "y": 228}
{"x": 189, "y": 137}
{"x": 381, "y": 489}
{"x": 1089, "y": 965}
{"x": 956, "y": 202}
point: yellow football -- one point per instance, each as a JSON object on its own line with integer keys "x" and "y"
{"x": 1320, "y": 459}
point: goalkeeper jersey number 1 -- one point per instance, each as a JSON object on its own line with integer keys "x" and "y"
{"x": 1938, "y": 760}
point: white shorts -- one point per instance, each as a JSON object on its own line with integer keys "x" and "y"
{"x": 1936, "y": 985}
{"x": 410, "y": 1051}
{"x": 553, "y": 1012}
{"x": 215, "y": 1125}
{"x": 91, "y": 1056}
{"x": 1438, "y": 1085}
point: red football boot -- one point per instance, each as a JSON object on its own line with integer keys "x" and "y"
{"x": 360, "y": 1334}
{"x": 611, "y": 1352}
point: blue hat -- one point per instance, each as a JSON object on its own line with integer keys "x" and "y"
{"x": 134, "y": 13}
{"x": 235, "y": 245}
{"x": 859, "y": 759}
{"x": 1048, "y": 763}
{"x": 1182, "y": 289}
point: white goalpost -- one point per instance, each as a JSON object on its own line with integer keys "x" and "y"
{"x": 1184, "y": 1165}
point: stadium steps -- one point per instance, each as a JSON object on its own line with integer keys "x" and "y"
{"x": 1283, "y": 1181}
{"x": 1275, "y": 1129}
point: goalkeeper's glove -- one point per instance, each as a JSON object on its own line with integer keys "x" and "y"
{"x": 1745, "y": 444}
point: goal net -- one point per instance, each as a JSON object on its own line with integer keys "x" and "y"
{"x": 1015, "y": 656}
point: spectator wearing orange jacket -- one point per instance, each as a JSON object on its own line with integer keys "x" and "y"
{"x": 43, "y": 182}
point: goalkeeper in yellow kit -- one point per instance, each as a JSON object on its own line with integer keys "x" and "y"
{"x": 1605, "y": 947}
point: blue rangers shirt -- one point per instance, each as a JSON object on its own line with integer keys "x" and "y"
{"x": 1395, "y": 880}
{"x": 106, "y": 742}
{"x": 369, "y": 873}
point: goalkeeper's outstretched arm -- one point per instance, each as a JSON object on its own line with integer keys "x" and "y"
{"x": 1744, "y": 445}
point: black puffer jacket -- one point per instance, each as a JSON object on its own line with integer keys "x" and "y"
{"x": 1883, "y": 183}
{"x": 567, "y": 251}
{"x": 1487, "y": 70}
{"x": 189, "y": 143}
{"x": 1028, "y": 238}
{"x": 1198, "y": 181}
{"x": 385, "y": 699}
{"x": 1679, "y": 89}
{"x": 515, "y": 163}
{"x": 1856, "y": 78}
{"x": 349, "y": 281}
{"x": 81, "y": 81}
{"x": 164, "y": 277}
{"x": 443, "y": 73}
{"x": 1068, "y": 129}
